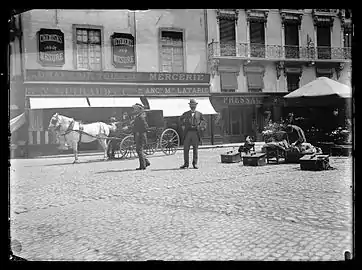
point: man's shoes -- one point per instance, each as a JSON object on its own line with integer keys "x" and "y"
{"x": 195, "y": 166}
{"x": 141, "y": 168}
{"x": 148, "y": 163}
{"x": 184, "y": 166}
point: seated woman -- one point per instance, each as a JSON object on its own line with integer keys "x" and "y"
{"x": 248, "y": 145}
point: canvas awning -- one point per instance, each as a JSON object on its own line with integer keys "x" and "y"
{"x": 17, "y": 122}
{"x": 176, "y": 106}
{"x": 52, "y": 103}
{"x": 114, "y": 101}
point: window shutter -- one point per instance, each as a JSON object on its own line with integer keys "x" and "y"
{"x": 255, "y": 81}
{"x": 228, "y": 81}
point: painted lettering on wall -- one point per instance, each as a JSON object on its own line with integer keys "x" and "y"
{"x": 108, "y": 76}
{"x": 51, "y": 47}
{"x": 99, "y": 90}
{"x": 243, "y": 100}
{"x": 123, "y": 50}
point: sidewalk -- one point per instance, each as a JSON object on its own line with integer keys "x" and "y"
{"x": 258, "y": 146}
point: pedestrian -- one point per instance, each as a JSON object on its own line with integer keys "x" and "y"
{"x": 140, "y": 128}
{"x": 193, "y": 122}
{"x": 296, "y": 136}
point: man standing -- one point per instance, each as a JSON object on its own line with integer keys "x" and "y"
{"x": 140, "y": 135}
{"x": 193, "y": 122}
{"x": 112, "y": 143}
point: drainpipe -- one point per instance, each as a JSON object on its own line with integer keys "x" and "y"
{"x": 207, "y": 68}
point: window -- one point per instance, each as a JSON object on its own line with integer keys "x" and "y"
{"x": 229, "y": 82}
{"x": 257, "y": 39}
{"x": 255, "y": 81}
{"x": 88, "y": 49}
{"x": 292, "y": 81}
{"x": 324, "y": 42}
{"x": 291, "y": 33}
{"x": 172, "y": 51}
{"x": 227, "y": 37}
{"x": 347, "y": 37}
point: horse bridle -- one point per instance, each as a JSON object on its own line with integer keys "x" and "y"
{"x": 68, "y": 130}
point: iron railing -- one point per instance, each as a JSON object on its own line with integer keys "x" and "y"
{"x": 253, "y": 50}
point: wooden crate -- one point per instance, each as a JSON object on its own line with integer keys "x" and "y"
{"x": 257, "y": 159}
{"x": 314, "y": 162}
{"x": 230, "y": 157}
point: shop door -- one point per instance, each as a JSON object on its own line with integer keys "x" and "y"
{"x": 247, "y": 119}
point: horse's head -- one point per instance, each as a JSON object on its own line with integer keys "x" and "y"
{"x": 54, "y": 123}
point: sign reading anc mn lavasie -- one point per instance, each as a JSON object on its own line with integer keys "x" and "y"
{"x": 51, "y": 47}
{"x": 123, "y": 50}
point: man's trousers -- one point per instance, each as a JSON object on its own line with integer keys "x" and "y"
{"x": 191, "y": 138}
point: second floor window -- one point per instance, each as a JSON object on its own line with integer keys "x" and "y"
{"x": 257, "y": 39}
{"x": 172, "y": 51}
{"x": 227, "y": 37}
{"x": 88, "y": 49}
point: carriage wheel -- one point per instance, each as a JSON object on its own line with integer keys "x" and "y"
{"x": 169, "y": 141}
{"x": 150, "y": 148}
{"x": 127, "y": 147}
{"x": 118, "y": 153}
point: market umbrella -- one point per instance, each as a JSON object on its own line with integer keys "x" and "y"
{"x": 320, "y": 92}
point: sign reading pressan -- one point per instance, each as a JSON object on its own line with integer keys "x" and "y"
{"x": 89, "y": 90}
{"x": 51, "y": 47}
{"x": 114, "y": 77}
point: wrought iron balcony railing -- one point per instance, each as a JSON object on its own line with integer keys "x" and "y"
{"x": 245, "y": 50}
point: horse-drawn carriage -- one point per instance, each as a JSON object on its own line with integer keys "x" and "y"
{"x": 158, "y": 136}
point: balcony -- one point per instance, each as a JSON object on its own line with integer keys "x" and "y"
{"x": 278, "y": 52}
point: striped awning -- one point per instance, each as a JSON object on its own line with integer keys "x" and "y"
{"x": 114, "y": 101}
{"x": 176, "y": 106}
{"x": 17, "y": 122}
{"x": 51, "y": 103}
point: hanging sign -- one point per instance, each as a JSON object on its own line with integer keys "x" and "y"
{"x": 123, "y": 50}
{"x": 51, "y": 47}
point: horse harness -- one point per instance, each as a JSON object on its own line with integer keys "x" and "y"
{"x": 70, "y": 129}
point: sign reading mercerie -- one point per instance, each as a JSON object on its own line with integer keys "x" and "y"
{"x": 123, "y": 50}
{"x": 51, "y": 47}
{"x": 115, "y": 77}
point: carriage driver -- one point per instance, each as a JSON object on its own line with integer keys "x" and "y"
{"x": 140, "y": 127}
{"x": 112, "y": 144}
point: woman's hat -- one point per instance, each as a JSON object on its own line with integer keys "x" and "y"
{"x": 193, "y": 101}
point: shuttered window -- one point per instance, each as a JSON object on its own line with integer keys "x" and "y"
{"x": 88, "y": 49}
{"x": 172, "y": 51}
{"x": 255, "y": 81}
{"x": 228, "y": 81}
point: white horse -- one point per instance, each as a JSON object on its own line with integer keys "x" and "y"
{"x": 75, "y": 132}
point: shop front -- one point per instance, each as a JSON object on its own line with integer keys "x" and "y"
{"x": 244, "y": 114}
{"x": 96, "y": 96}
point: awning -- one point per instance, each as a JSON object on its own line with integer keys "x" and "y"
{"x": 177, "y": 106}
{"x": 51, "y": 103}
{"x": 114, "y": 101}
{"x": 228, "y": 80}
{"x": 17, "y": 122}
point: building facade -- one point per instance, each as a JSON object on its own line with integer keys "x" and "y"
{"x": 256, "y": 56}
{"x": 93, "y": 64}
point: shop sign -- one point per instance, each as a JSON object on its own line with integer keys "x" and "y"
{"x": 123, "y": 55}
{"x": 108, "y": 76}
{"x": 51, "y": 47}
{"x": 100, "y": 90}
{"x": 243, "y": 100}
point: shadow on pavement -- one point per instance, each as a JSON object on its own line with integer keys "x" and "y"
{"x": 71, "y": 163}
{"x": 170, "y": 169}
{"x": 117, "y": 171}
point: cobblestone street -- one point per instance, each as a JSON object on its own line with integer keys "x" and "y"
{"x": 106, "y": 210}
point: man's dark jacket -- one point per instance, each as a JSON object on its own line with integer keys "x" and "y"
{"x": 200, "y": 122}
{"x": 140, "y": 126}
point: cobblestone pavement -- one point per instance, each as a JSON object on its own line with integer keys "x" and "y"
{"x": 100, "y": 210}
